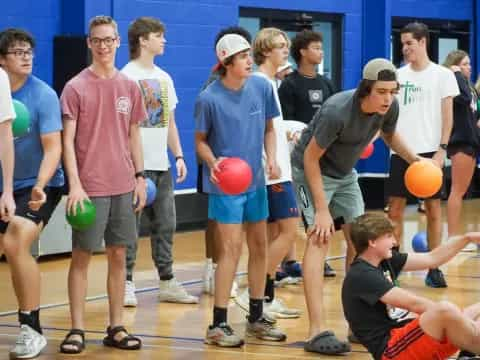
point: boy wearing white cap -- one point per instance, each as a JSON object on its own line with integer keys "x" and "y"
{"x": 234, "y": 119}
{"x": 326, "y": 182}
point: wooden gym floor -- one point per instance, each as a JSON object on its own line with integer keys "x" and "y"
{"x": 175, "y": 331}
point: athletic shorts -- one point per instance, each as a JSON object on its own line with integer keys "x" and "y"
{"x": 467, "y": 149}
{"x": 395, "y": 183}
{"x": 281, "y": 201}
{"x": 237, "y": 209}
{"x": 411, "y": 343}
{"x": 115, "y": 223}
{"x": 22, "y": 197}
{"x": 344, "y": 197}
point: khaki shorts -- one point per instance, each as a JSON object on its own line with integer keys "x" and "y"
{"x": 343, "y": 195}
{"x": 115, "y": 222}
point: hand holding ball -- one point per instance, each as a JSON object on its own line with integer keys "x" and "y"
{"x": 234, "y": 176}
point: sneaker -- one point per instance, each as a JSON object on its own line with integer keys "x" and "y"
{"x": 222, "y": 335}
{"x": 130, "y": 299}
{"x": 29, "y": 343}
{"x": 208, "y": 275}
{"x": 435, "y": 279}
{"x": 328, "y": 271}
{"x": 282, "y": 279}
{"x": 234, "y": 290}
{"x": 243, "y": 300}
{"x": 470, "y": 247}
{"x": 279, "y": 310}
{"x": 172, "y": 291}
{"x": 263, "y": 329}
{"x": 293, "y": 270}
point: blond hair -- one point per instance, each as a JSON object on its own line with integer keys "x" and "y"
{"x": 264, "y": 42}
{"x": 102, "y": 20}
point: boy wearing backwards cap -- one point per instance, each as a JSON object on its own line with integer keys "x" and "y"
{"x": 234, "y": 119}
{"x": 326, "y": 182}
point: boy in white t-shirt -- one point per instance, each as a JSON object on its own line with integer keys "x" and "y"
{"x": 7, "y": 114}
{"x": 425, "y": 122}
{"x": 146, "y": 41}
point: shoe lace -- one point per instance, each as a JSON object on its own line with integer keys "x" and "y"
{"x": 226, "y": 329}
{"x": 24, "y": 337}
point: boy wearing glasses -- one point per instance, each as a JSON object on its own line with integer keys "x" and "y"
{"x": 146, "y": 41}
{"x": 102, "y": 110}
{"x": 37, "y": 183}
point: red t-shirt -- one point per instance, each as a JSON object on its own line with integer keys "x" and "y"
{"x": 104, "y": 110}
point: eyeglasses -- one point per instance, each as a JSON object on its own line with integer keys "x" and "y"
{"x": 21, "y": 53}
{"x": 108, "y": 41}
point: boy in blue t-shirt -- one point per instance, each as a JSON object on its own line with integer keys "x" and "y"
{"x": 234, "y": 119}
{"x": 37, "y": 183}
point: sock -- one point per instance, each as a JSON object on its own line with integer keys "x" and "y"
{"x": 256, "y": 310}
{"x": 166, "y": 277}
{"x": 129, "y": 277}
{"x": 219, "y": 315}
{"x": 30, "y": 318}
{"x": 465, "y": 353}
{"x": 269, "y": 289}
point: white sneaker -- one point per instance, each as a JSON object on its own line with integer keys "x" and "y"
{"x": 470, "y": 247}
{"x": 243, "y": 300}
{"x": 234, "y": 290}
{"x": 278, "y": 309}
{"x": 130, "y": 299}
{"x": 172, "y": 291}
{"x": 29, "y": 343}
{"x": 208, "y": 275}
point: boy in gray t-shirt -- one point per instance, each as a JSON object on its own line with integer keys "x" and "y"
{"x": 326, "y": 181}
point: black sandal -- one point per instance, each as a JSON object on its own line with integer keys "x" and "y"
{"x": 123, "y": 344}
{"x": 327, "y": 343}
{"x": 76, "y": 346}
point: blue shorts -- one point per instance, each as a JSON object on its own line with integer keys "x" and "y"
{"x": 281, "y": 201}
{"x": 237, "y": 209}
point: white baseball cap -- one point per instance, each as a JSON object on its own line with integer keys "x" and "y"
{"x": 374, "y": 67}
{"x": 229, "y": 45}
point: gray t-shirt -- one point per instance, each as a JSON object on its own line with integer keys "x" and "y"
{"x": 344, "y": 130}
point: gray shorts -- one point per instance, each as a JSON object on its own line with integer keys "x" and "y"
{"x": 343, "y": 195}
{"x": 115, "y": 222}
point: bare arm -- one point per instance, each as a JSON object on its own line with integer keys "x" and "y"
{"x": 404, "y": 299}
{"x": 7, "y": 155}
{"x": 136, "y": 152}
{"x": 395, "y": 142}
{"x": 205, "y": 153}
{"x": 271, "y": 150}
{"x": 447, "y": 123}
{"x": 52, "y": 153}
{"x": 76, "y": 195}
{"x": 441, "y": 254}
{"x": 176, "y": 148}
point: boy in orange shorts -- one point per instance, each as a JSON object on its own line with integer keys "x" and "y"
{"x": 370, "y": 299}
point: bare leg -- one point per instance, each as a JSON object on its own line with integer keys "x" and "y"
{"x": 463, "y": 167}
{"x": 395, "y": 213}
{"x": 434, "y": 222}
{"x": 257, "y": 258}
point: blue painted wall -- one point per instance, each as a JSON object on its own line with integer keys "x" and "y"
{"x": 192, "y": 26}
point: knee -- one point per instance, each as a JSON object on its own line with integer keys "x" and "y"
{"x": 447, "y": 311}
{"x": 116, "y": 254}
{"x": 231, "y": 249}
{"x": 395, "y": 213}
{"x": 80, "y": 259}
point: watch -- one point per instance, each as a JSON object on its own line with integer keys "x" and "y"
{"x": 443, "y": 147}
{"x": 140, "y": 174}
{"x": 178, "y": 158}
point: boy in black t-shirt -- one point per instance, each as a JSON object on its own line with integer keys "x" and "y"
{"x": 369, "y": 298}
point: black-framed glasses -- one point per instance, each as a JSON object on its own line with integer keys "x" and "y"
{"x": 108, "y": 41}
{"x": 21, "y": 53}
